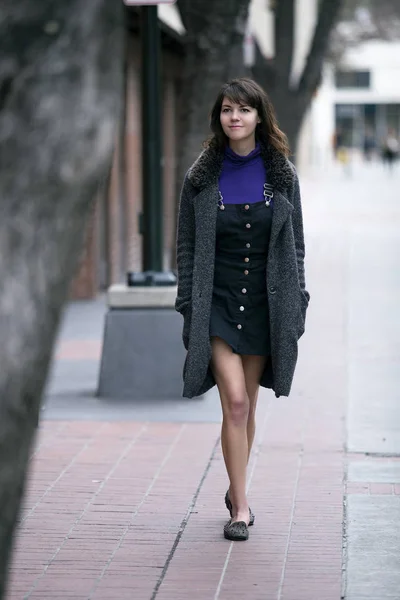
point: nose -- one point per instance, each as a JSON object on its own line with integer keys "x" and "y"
{"x": 234, "y": 116}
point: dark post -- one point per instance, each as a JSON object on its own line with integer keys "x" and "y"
{"x": 152, "y": 218}
{"x": 151, "y": 115}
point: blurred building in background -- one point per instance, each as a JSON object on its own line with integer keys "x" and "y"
{"x": 114, "y": 242}
{"x": 359, "y": 99}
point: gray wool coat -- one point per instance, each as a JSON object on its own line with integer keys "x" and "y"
{"x": 287, "y": 295}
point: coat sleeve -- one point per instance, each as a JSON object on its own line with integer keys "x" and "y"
{"x": 185, "y": 243}
{"x": 297, "y": 219}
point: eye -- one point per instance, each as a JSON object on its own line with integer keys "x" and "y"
{"x": 245, "y": 110}
{"x": 224, "y": 110}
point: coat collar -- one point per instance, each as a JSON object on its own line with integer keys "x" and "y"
{"x": 207, "y": 168}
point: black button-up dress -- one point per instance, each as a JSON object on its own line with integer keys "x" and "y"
{"x": 239, "y": 312}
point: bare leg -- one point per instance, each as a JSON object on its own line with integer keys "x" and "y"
{"x": 229, "y": 375}
{"x": 253, "y": 367}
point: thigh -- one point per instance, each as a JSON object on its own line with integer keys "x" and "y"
{"x": 253, "y": 367}
{"x": 227, "y": 368}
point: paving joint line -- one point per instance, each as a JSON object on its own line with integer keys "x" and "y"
{"x": 346, "y": 408}
{"x": 382, "y": 454}
{"x": 100, "y": 488}
{"x": 124, "y": 533}
{"x": 51, "y": 486}
{"x": 185, "y": 521}
{"x": 344, "y": 527}
{"x": 356, "y": 453}
{"x": 296, "y": 487}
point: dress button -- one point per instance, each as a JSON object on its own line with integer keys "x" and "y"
{"x": 241, "y": 308}
{"x": 248, "y": 225}
{"x": 244, "y": 291}
{"x": 246, "y": 259}
{"x": 246, "y": 272}
{"x": 239, "y": 326}
{"x": 272, "y": 289}
{"x": 247, "y": 245}
{"x": 246, "y": 207}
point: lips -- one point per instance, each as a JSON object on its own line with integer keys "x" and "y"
{"x": 235, "y": 126}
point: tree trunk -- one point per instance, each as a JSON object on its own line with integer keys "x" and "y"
{"x": 59, "y": 101}
{"x": 290, "y": 111}
{"x": 214, "y": 53}
{"x": 289, "y": 107}
{"x": 291, "y": 101}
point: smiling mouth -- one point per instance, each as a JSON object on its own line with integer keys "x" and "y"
{"x": 235, "y": 126}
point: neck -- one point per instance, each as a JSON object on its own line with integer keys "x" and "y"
{"x": 243, "y": 147}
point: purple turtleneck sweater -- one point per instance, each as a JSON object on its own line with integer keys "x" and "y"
{"x": 242, "y": 177}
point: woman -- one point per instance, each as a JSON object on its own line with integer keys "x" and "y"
{"x": 241, "y": 286}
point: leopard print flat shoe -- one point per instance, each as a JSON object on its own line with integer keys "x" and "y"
{"x": 236, "y": 532}
{"x": 228, "y": 505}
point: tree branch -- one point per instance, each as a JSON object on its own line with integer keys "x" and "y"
{"x": 183, "y": 7}
{"x": 196, "y": 15}
{"x": 358, "y": 24}
{"x": 284, "y": 37}
{"x": 327, "y": 15}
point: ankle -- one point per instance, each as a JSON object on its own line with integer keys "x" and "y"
{"x": 241, "y": 515}
{"x": 239, "y": 504}
{"x": 243, "y": 507}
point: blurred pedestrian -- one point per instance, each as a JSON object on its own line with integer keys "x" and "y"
{"x": 341, "y": 152}
{"x": 241, "y": 284}
{"x": 368, "y": 145}
{"x": 390, "y": 150}
{"x": 337, "y": 142}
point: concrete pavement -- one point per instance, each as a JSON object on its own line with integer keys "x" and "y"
{"x": 362, "y": 213}
{"x": 125, "y": 500}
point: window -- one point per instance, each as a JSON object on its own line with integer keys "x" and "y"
{"x": 353, "y": 79}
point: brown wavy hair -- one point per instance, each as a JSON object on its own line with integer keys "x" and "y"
{"x": 246, "y": 91}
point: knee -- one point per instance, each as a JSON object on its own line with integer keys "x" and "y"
{"x": 237, "y": 409}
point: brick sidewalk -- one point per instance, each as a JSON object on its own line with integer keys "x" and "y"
{"x": 135, "y": 511}
{"x": 131, "y": 510}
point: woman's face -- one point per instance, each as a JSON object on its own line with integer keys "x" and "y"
{"x": 239, "y": 121}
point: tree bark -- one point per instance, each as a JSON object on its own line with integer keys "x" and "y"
{"x": 290, "y": 112}
{"x": 284, "y": 39}
{"x": 214, "y": 54}
{"x": 60, "y": 74}
{"x": 327, "y": 17}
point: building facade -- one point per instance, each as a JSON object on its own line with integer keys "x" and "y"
{"x": 360, "y": 99}
{"x": 114, "y": 242}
